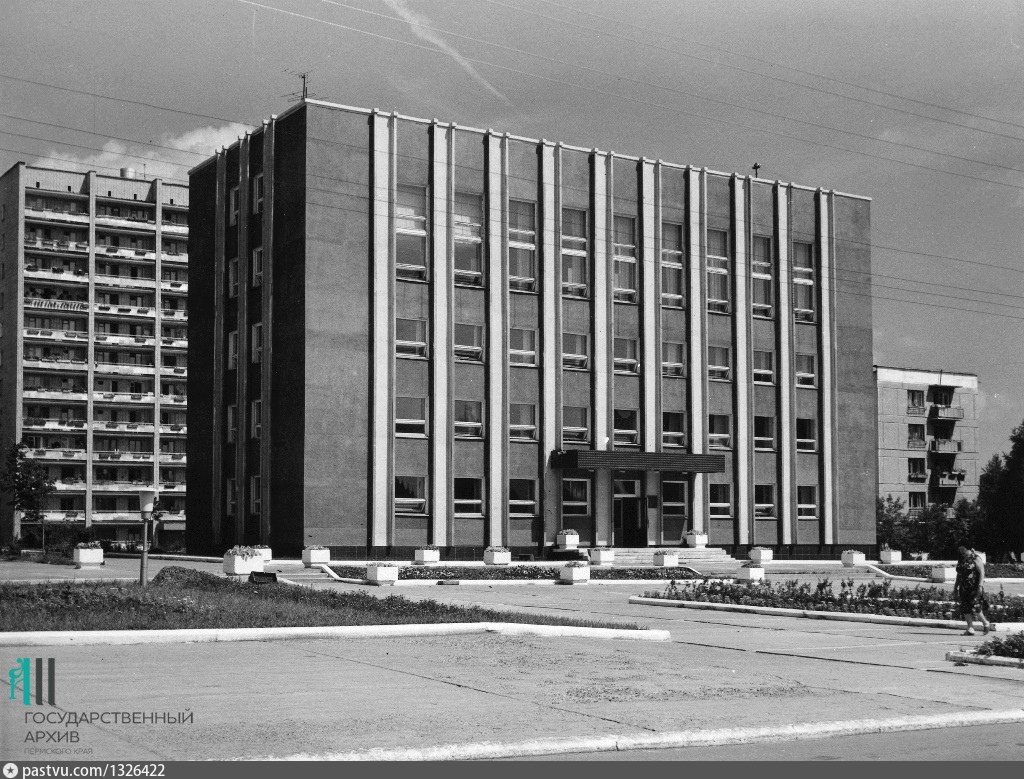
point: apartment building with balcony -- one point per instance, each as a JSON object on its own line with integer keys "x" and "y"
{"x": 93, "y": 343}
{"x": 927, "y": 436}
{"x": 407, "y": 332}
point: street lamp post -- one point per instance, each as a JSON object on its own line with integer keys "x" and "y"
{"x": 147, "y": 497}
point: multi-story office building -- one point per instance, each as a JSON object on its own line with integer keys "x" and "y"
{"x": 927, "y": 436}
{"x": 408, "y": 332}
{"x": 93, "y": 302}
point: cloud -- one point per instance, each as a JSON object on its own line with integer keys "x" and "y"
{"x": 420, "y": 26}
{"x": 153, "y": 161}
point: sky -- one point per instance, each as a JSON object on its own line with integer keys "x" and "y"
{"x": 918, "y": 105}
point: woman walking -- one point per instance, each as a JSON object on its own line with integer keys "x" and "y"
{"x": 969, "y": 589}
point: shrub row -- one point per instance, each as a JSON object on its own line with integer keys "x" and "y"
{"x": 522, "y": 572}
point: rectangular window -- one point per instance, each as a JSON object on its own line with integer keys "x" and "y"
{"x": 673, "y": 498}
{"x": 410, "y": 338}
{"x": 255, "y": 495}
{"x": 469, "y": 342}
{"x": 575, "y": 254}
{"x": 626, "y": 355}
{"x": 624, "y": 248}
{"x": 673, "y": 358}
{"x": 720, "y": 501}
{"x": 575, "y": 497}
{"x": 256, "y": 347}
{"x": 522, "y": 497}
{"x": 233, "y": 206}
{"x": 915, "y": 437}
{"x": 673, "y": 289}
{"x": 522, "y": 347}
{"x": 764, "y": 367}
{"x": 673, "y": 428}
{"x": 410, "y": 495}
{"x": 916, "y": 470}
{"x": 468, "y": 419}
{"x": 257, "y": 266}
{"x": 230, "y": 497}
{"x": 410, "y": 416}
{"x": 256, "y": 419}
{"x": 718, "y": 266}
{"x": 625, "y": 426}
{"x": 522, "y": 245}
{"x": 468, "y": 495}
{"x": 719, "y": 431}
{"x": 233, "y": 277}
{"x": 917, "y": 502}
{"x": 575, "y": 424}
{"x": 232, "y": 423}
{"x": 764, "y": 501}
{"x": 803, "y": 281}
{"x": 807, "y": 502}
{"x": 575, "y": 351}
{"x": 764, "y": 434}
{"x": 467, "y": 234}
{"x": 411, "y": 233}
{"x": 719, "y": 363}
{"x": 232, "y": 350}
{"x": 915, "y": 402}
{"x": 806, "y": 434}
{"x": 256, "y": 203}
{"x": 522, "y": 421}
{"x": 762, "y": 270}
{"x": 806, "y": 371}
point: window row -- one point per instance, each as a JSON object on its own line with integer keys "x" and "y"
{"x": 255, "y": 271}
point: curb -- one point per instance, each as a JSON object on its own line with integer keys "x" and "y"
{"x": 976, "y": 659}
{"x": 839, "y": 616}
{"x": 218, "y": 635}
{"x": 674, "y": 740}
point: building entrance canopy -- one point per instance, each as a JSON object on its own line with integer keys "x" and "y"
{"x": 589, "y": 459}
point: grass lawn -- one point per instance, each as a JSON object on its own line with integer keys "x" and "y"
{"x": 183, "y": 598}
{"x": 505, "y": 572}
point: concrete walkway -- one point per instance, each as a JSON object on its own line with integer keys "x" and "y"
{"x": 325, "y": 697}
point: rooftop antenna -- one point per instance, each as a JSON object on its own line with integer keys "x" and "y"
{"x": 756, "y": 168}
{"x": 305, "y": 93}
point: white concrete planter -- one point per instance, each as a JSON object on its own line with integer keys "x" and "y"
{"x": 266, "y": 553}
{"x": 497, "y": 558}
{"x": 574, "y": 575}
{"x": 568, "y": 540}
{"x": 311, "y": 557}
{"x": 427, "y": 556}
{"x": 761, "y": 555}
{"x": 850, "y": 559}
{"x": 666, "y": 559}
{"x": 750, "y": 574}
{"x": 943, "y": 573}
{"x": 889, "y": 556}
{"x": 381, "y": 574}
{"x": 88, "y": 558}
{"x": 696, "y": 540}
{"x": 242, "y": 566}
{"x": 602, "y": 556}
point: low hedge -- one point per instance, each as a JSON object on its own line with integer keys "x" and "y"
{"x": 519, "y": 572}
{"x": 992, "y": 570}
{"x": 867, "y": 598}
{"x": 1011, "y": 646}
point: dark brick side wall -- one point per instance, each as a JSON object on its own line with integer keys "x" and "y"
{"x": 201, "y": 303}
{"x": 856, "y": 445}
{"x": 10, "y": 197}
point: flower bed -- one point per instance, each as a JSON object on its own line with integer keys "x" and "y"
{"x": 992, "y": 570}
{"x": 523, "y": 572}
{"x": 873, "y": 598}
{"x": 1011, "y": 646}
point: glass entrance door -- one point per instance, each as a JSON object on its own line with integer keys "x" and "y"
{"x": 629, "y": 526}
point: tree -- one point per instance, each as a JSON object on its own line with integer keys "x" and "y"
{"x": 1008, "y": 529}
{"x": 891, "y": 522}
{"x": 989, "y": 487}
{"x": 26, "y": 484}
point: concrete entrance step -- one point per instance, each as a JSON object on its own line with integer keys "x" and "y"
{"x": 687, "y": 555}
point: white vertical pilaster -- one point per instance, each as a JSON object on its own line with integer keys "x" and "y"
{"x": 497, "y": 294}
{"x": 550, "y": 335}
{"x": 244, "y": 341}
{"x": 382, "y": 326}
{"x": 650, "y": 349}
{"x": 828, "y": 415}
{"x": 741, "y": 320}
{"x": 599, "y": 346}
{"x": 90, "y": 356}
{"x": 697, "y": 307}
{"x": 218, "y": 509}
{"x": 787, "y": 453}
{"x": 440, "y": 305}
{"x": 267, "y": 316}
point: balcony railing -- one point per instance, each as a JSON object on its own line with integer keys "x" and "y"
{"x": 947, "y": 412}
{"x": 121, "y": 310}
{"x": 918, "y": 477}
{"x": 54, "y": 363}
{"x": 46, "y": 423}
{"x": 127, "y": 251}
{"x": 176, "y": 286}
{"x": 173, "y": 429}
{"x": 175, "y": 399}
{"x": 118, "y": 485}
{"x": 946, "y": 446}
{"x": 55, "y": 393}
{"x": 79, "y": 247}
{"x": 106, "y": 280}
{"x": 123, "y": 427}
{"x": 125, "y": 340}
{"x": 167, "y": 256}
{"x": 916, "y": 411}
{"x": 33, "y": 271}
{"x": 122, "y": 456}
{"x": 124, "y": 368}
{"x": 58, "y": 454}
{"x": 123, "y": 397}
{"x": 57, "y": 214}
{"x": 176, "y": 457}
{"x": 57, "y": 305}
{"x": 173, "y": 313}
{"x": 950, "y": 478}
{"x": 53, "y": 335}
{"x": 916, "y": 443}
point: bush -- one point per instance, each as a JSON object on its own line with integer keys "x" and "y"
{"x": 1011, "y": 646}
{"x": 521, "y": 572}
